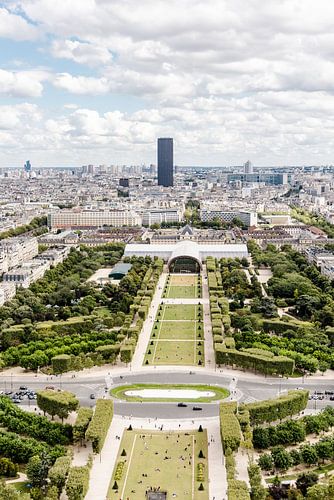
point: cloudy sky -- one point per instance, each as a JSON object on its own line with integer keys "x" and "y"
{"x": 97, "y": 81}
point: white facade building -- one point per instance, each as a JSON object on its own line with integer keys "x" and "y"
{"x": 247, "y": 217}
{"x": 157, "y": 216}
{"x": 186, "y": 248}
{"x": 76, "y": 219}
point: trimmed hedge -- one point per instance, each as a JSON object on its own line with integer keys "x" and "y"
{"x": 271, "y": 410}
{"x": 59, "y": 472}
{"x": 59, "y": 403}
{"x": 98, "y": 427}
{"x": 84, "y": 416}
{"x": 61, "y": 363}
{"x": 279, "y": 327}
{"x": 77, "y": 483}
{"x": 229, "y": 428}
{"x": 237, "y": 490}
{"x": 126, "y": 353}
{"x": 279, "y": 364}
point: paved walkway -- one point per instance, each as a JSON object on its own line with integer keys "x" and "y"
{"x": 241, "y": 464}
{"x": 103, "y": 464}
{"x": 208, "y": 340}
{"x": 144, "y": 336}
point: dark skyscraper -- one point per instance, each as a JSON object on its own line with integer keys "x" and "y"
{"x": 165, "y": 162}
{"x": 27, "y": 166}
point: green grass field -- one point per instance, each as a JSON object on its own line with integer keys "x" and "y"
{"x": 120, "y": 392}
{"x": 175, "y": 312}
{"x": 182, "y": 292}
{"x": 178, "y": 340}
{"x": 183, "y": 286}
{"x": 183, "y": 330}
{"x": 165, "y": 352}
{"x": 160, "y": 459}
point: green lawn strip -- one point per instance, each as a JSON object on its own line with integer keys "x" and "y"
{"x": 21, "y": 486}
{"x": 183, "y": 292}
{"x": 178, "y": 312}
{"x": 174, "y": 330}
{"x": 183, "y": 280}
{"x": 322, "y": 469}
{"x": 168, "y": 460}
{"x": 119, "y": 392}
{"x": 174, "y": 352}
{"x": 102, "y": 312}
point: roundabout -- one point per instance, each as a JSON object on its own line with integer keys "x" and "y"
{"x": 169, "y": 393}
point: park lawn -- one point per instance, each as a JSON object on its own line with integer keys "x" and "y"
{"x": 183, "y": 279}
{"x": 179, "y": 312}
{"x": 120, "y": 392}
{"x": 175, "y": 330}
{"x": 182, "y": 292}
{"x": 168, "y": 460}
{"x": 165, "y": 352}
{"x": 102, "y": 312}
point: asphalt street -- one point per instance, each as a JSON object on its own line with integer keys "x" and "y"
{"x": 248, "y": 390}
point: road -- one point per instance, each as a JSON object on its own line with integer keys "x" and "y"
{"x": 248, "y": 390}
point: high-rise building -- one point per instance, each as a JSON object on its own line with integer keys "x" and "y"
{"x": 27, "y": 166}
{"x": 248, "y": 167}
{"x": 165, "y": 162}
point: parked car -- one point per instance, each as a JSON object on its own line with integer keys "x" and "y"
{"x": 50, "y": 387}
{"x": 92, "y": 396}
{"x": 23, "y": 388}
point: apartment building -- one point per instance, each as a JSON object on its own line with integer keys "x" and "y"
{"x": 157, "y": 216}
{"x": 90, "y": 219}
{"x": 15, "y": 251}
{"x": 247, "y": 217}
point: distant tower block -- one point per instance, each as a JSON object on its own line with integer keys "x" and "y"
{"x": 27, "y": 166}
{"x": 165, "y": 162}
{"x": 248, "y": 167}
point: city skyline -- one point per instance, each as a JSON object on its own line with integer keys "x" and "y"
{"x": 228, "y": 82}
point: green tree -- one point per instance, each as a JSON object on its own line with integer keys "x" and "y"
{"x": 37, "y": 470}
{"x": 59, "y": 403}
{"x": 309, "y": 454}
{"x": 317, "y": 492}
{"x": 266, "y": 462}
{"x": 281, "y": 458}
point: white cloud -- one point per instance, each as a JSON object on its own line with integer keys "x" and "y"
{"x": 81, "y": 84}
{"x": 82, "y": 53}
{"x": 15, "y": 27}
{"x": 228, "y": 79}
{"x": 22, "y": 83}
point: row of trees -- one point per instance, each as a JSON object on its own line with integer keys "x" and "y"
{"x": 17, "y": 420}
{"x": 60, "y": 403}
{"x": 99, "y": 424}
{"x": 37, "y": 225}
{"x": 293, "y": 431}
{"x": 40, "y": 353}
{"x": 308, "y": 454}
{"x": 270, "y": 410}
{"x": 20, "y": 449}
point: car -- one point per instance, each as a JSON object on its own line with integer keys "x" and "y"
{"x": 182, "y": 405}
{"x": 92, "y": 396}
{"x": 23, "y": 388}
{"x": 17, "y": 401}
{"x": 331, "y": 398}
{"x": 51, "y": 387}
{"x": 197, "y": 408}
{"x": 8, "y": 393}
